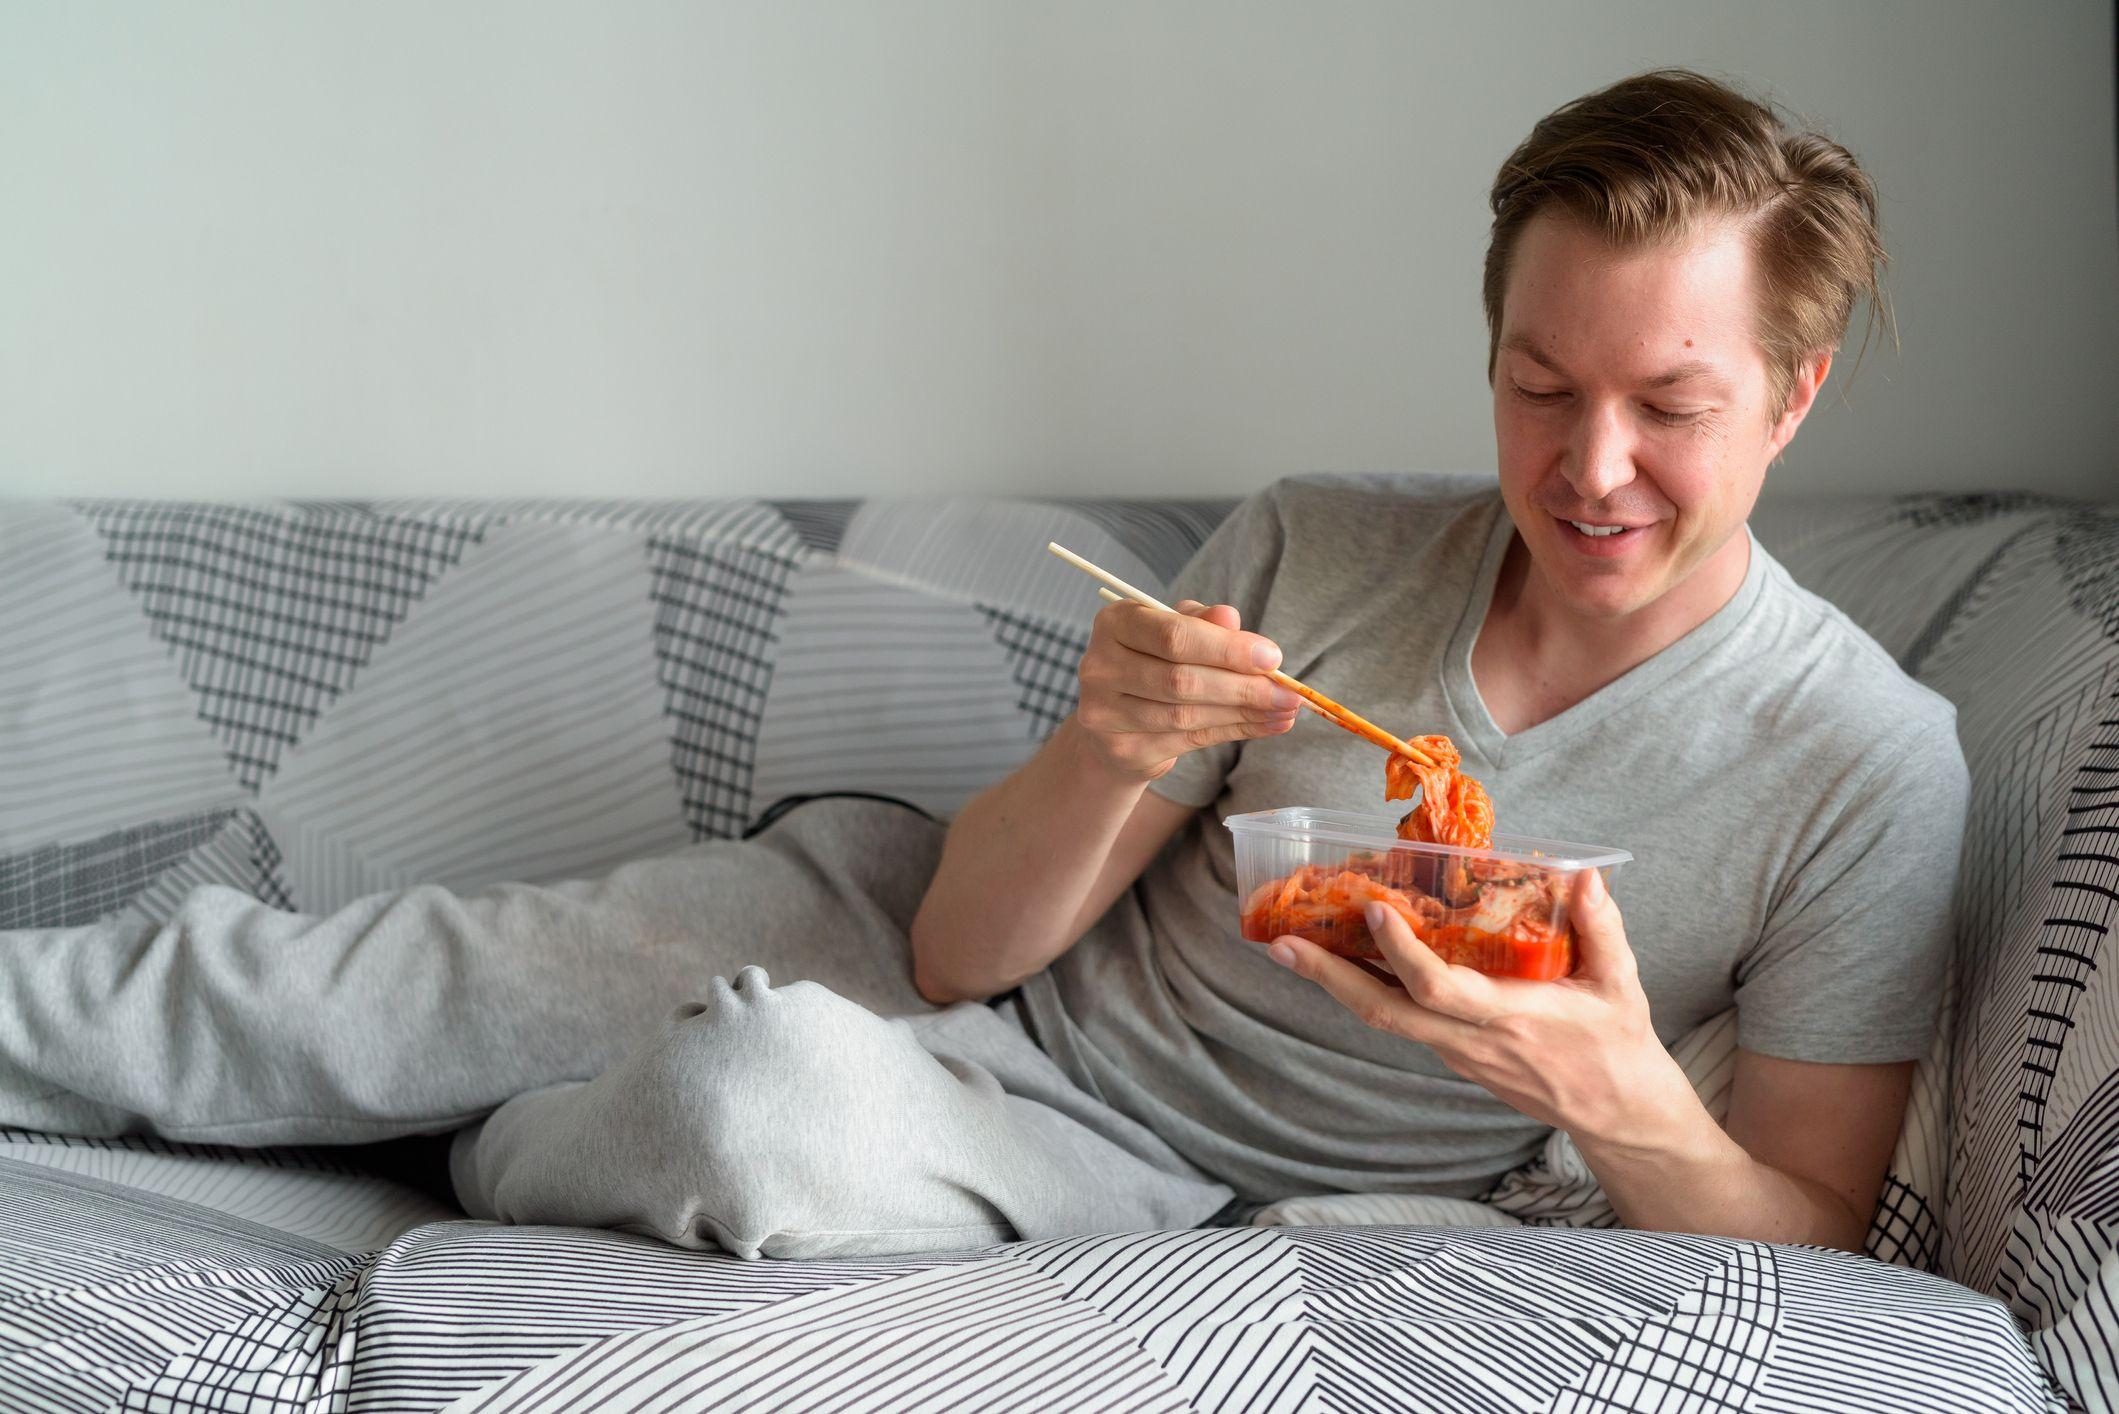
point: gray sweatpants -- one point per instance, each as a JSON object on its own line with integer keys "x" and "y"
{"x": 836, "y": 1113}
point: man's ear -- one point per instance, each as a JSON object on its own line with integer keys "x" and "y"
{"x": 1809, "y": 381}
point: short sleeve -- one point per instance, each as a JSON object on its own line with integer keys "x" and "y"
{"x": 1235, "y": 567}
{"x": 1851, "y": 965}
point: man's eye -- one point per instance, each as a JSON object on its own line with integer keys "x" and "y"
{"x": 1671, "y": 417}
{"x": 1542, "y": 399}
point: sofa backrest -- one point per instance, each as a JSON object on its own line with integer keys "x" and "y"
{"x": 313, "y": 701}
{"x": 2009, "y": 606}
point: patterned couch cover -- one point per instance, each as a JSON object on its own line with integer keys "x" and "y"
{"x": 313, "y": 701}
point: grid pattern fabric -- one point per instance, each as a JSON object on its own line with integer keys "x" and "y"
{"x": 67, "y": 885}
{"x": 1042, "y": 655}
{"x": 466, "y": 691}
{"x": 273, "y": 611}
{"x": 715, "y": 609}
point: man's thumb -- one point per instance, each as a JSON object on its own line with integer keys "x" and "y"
{"x": 1601, "y": 949}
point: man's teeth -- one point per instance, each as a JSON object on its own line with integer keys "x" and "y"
{"x": 1587, "y": 529}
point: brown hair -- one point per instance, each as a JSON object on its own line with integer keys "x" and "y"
{"x": 1646, "y": 158}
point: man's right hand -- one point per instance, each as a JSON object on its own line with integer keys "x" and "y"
{"x": 1156, "y": 685}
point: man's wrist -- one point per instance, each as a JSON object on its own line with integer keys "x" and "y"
{"x": 1662, "y": 1125}
{"x": 1084, "y": 756}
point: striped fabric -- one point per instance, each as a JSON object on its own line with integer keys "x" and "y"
{"x": 148, "y": 1303}
{"x": 315, "y": 701}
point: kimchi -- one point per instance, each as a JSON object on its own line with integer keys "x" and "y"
{"x": 1495, "y": 915}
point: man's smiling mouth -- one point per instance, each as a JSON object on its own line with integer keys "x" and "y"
{"x": 1602, "y": 541}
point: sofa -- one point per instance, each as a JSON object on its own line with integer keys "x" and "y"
{"x": 313, "y": 701}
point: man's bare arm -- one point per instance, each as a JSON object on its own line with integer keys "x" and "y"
{"x": 1801, "y": 1157}
{"x": 1031, "y": 863}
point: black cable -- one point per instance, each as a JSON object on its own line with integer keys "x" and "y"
{"x": 788, "y": 802}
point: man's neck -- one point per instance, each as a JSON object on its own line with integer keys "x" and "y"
{"x": 1535, "y": 657}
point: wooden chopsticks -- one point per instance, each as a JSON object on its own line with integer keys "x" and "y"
{"x": 1116, "y": 589}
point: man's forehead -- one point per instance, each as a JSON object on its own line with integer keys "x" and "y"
{"x": 1682, "y": 370}
{"x": 1574, "y": 297}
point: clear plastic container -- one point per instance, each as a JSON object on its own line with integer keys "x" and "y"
{"x": 1502, "y": 911}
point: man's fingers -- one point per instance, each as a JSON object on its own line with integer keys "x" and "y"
{"x": 1161, "y": 746}
{"x": 1428, "y": 980}
{"x": 1380, "y": 971}
{"x": 1151, "y": 715}
{"x": 1160, "y": 680}
{"x": 1220, "y": 615}
{"x": 1188, "y": 638}
{"x": 1114, "y": 670}
{"x": 1192, "y": 682}
{"x": 1204, "y": 692}
{"x": 1376, "y": 1003}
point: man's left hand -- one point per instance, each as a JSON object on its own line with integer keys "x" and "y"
{"x": 1578, "y": 1053}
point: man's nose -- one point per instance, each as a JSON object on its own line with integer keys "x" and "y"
{"x": 1602, "y": 459}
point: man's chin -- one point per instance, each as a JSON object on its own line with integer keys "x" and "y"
{"x": 1612, "y": 591}
{"x": 1610, "y": 600}
{"x": 1608, "y": 590}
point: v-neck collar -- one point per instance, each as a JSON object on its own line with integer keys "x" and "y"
{"x": 1477, "y": 731}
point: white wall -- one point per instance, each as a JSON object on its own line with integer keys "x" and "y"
{"x": 488, "y": 246}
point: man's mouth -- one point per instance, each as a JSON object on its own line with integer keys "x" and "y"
{"x": 1601, "y": 538}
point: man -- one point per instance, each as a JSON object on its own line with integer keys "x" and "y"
{"x": 1670, "y": 274}
{"x": 1667, "y": 281}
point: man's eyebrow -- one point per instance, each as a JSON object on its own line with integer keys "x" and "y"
{"x": 1525, "y": 347}
{"x": 1695, "y": 368}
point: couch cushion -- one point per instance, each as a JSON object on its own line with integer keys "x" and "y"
{"x": 542, "y": 689}
{"x": 216, "y": 1314}
{"x": 2009, "y": 606}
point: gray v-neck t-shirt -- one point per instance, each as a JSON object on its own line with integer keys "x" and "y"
{"x": 1793, "y": 801}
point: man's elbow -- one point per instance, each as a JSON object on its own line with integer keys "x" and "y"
{"x": 934, "y": 986}
{"x": 1832, "y": 1220}
{"x": 1852, "y": 1233}
{"x": 939, "y": 993}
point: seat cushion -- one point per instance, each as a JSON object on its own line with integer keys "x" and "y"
{"x": 113, "y": 1296}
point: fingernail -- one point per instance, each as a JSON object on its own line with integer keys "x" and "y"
{"x": 1376, "y": 913}
{"x": 1265, "y": 655}
{"x": 1285, "y": 700}
{"x": 1282, "y": 954}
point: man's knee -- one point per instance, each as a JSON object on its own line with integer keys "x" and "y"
{"x": 750, "y": 1053}
{"x": 753, "y": 1079}
{"x": 784, "y": 1110}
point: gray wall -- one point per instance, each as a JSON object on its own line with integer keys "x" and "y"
{"x": 494, "y": 247}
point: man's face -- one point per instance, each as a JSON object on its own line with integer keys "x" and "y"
{"x": 1630, "y": 391}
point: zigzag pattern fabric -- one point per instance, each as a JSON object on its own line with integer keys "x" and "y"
{"x": 315, "y": 702}
{"x": 466, "y": 1316}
